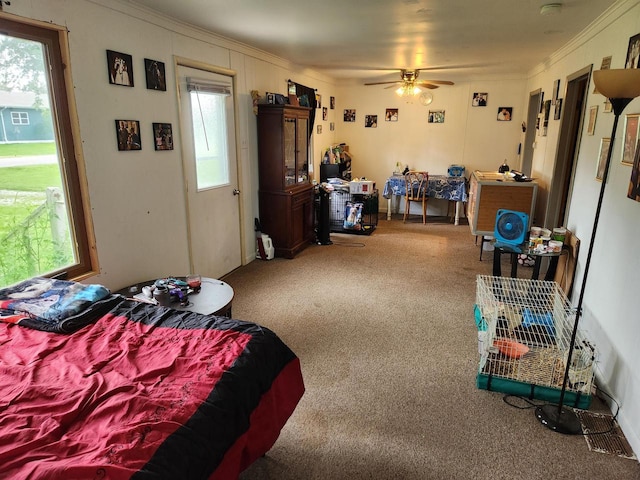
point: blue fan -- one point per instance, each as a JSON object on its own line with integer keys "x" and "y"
{"x": 511, "y": 227}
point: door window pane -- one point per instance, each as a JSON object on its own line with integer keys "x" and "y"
{"x": 209, "y": 119}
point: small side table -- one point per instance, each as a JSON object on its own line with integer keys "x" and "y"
{"x": 514, "y": 251}
{"x": 214, "y": 297}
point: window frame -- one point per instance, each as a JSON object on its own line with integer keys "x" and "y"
{"x": 68, "y": 141}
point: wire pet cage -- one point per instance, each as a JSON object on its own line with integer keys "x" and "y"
{"x": 343, "y": 204}
{"x": 524, "y": 332}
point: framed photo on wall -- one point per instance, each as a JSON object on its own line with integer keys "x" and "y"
{"x": 605, "y": 143}
{"x": 558, "y": 109}
{"x": 391, "y": 115}
{"x": 634, "y": 183}
{"x": 633, "y": 52}
{"x": 128, "y": 135}
{"x": 504, "y": 114}
{"x": 120, "y": 68}
{"x": 556, "y": 90}
{"x": 479, "y": 99}
{"x": 155, "y": 75}
{"x": 163, "y": 136}
{"x": 371, "y": 121}
{"x": 591, "y": 126}
{"x": 630, "y": 137}
{"x": 349, "y": 115}
{"x": 436, "y": 116}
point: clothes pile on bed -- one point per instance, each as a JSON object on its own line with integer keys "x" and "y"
{"x": 138, "y": 391}
{"x": 55, "y": 305}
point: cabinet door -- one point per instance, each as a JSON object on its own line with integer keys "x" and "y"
{"x": 290, "y": 148}
{"x": 302, "y": 219}
{"x": 303, "y": 150}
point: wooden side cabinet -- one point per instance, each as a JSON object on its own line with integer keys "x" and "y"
{"x": 491, "y": 191}
{"x": 285, "y": 194}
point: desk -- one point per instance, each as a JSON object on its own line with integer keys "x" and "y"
{"x": 440, "y": 186}
{"x": 514, "y": 251}
{"x": 214, "y": 297}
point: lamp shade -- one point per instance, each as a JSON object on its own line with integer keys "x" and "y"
{"x": 618, "y": 83}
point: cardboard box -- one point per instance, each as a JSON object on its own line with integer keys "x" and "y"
{"x": 362, "y": 187}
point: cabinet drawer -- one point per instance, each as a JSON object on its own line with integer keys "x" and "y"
{"x": 301, "y": 198}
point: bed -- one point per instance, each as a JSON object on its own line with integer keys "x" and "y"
{"x": 95, "y": 386}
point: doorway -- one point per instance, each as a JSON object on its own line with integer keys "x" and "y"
{"x": 210, "y": 168}
{"x": 535, "y": 99}
{"x": 574, "y": 106}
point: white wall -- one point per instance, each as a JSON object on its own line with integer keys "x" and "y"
{"x": 609, "y": 313}
{"x": 469, "y": 136}
{"x": 137, "y": 199}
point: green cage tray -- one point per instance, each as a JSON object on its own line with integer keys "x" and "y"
{"x": 531, "y": 391}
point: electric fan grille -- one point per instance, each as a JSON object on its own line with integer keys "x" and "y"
{"x": 511, "y": 227}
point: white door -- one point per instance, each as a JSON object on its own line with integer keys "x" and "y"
{"x": 210, "y": 168}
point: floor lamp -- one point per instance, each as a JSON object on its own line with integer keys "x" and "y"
{"x": 620, "y": 86}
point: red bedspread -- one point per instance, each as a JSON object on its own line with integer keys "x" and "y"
{"x": 144, "y": 392}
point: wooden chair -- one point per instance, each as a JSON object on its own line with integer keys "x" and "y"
{"x": 566, "y": 269}
{"x": 416, "y": 184}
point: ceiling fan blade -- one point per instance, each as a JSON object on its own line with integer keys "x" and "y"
{"x": 382, "y": 83}
{"x": 427, "y": 85}
{"x": 438, "y": 82}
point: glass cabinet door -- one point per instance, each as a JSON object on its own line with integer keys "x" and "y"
{"x": 289, "y": 151}
{"x": 303, "y": 153}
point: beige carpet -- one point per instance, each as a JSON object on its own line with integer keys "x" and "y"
{"x": 384, "y": 329}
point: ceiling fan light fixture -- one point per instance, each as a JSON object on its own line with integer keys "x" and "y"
{"x": 408, "y": 90}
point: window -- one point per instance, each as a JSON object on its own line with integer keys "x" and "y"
{"x": 44, "y": 225}
{"x": 209, "y": 120}
{"x": 19, "y": 118}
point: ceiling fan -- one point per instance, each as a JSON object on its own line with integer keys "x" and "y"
{"x": 409, "y": 83}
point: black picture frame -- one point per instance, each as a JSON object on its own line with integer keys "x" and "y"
{"x": 633, "y": 52}
{"x": 349, "y": 115}
{"x": 128, "y": 135}
{"x": 505, "y": 114}
{"x": 162, "y": 136}
{"x": 479, "y": 99}
{"x": 556, "y": 91}
{"x": 120, "y": 68}
{"x": 155, "y": 75}
{"x": 634, "y": 182}
{"x": 558, "y": 109}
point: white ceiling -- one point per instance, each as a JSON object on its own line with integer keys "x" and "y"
{"x": 363, "y": 40}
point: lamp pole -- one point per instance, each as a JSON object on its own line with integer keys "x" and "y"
{"x": 560, "y": 418}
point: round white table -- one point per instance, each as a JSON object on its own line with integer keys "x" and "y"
{"x": 214, "y": 297}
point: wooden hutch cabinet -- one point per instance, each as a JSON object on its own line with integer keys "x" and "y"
{"x": 286, "y": 194}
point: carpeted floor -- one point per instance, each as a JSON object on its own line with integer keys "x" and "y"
{"x": 384, "y": 328}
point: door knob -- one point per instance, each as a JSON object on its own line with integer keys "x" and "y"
{"x": 236, "y": 191}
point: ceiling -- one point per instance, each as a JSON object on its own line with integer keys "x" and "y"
{"x": 452, "y": 39}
